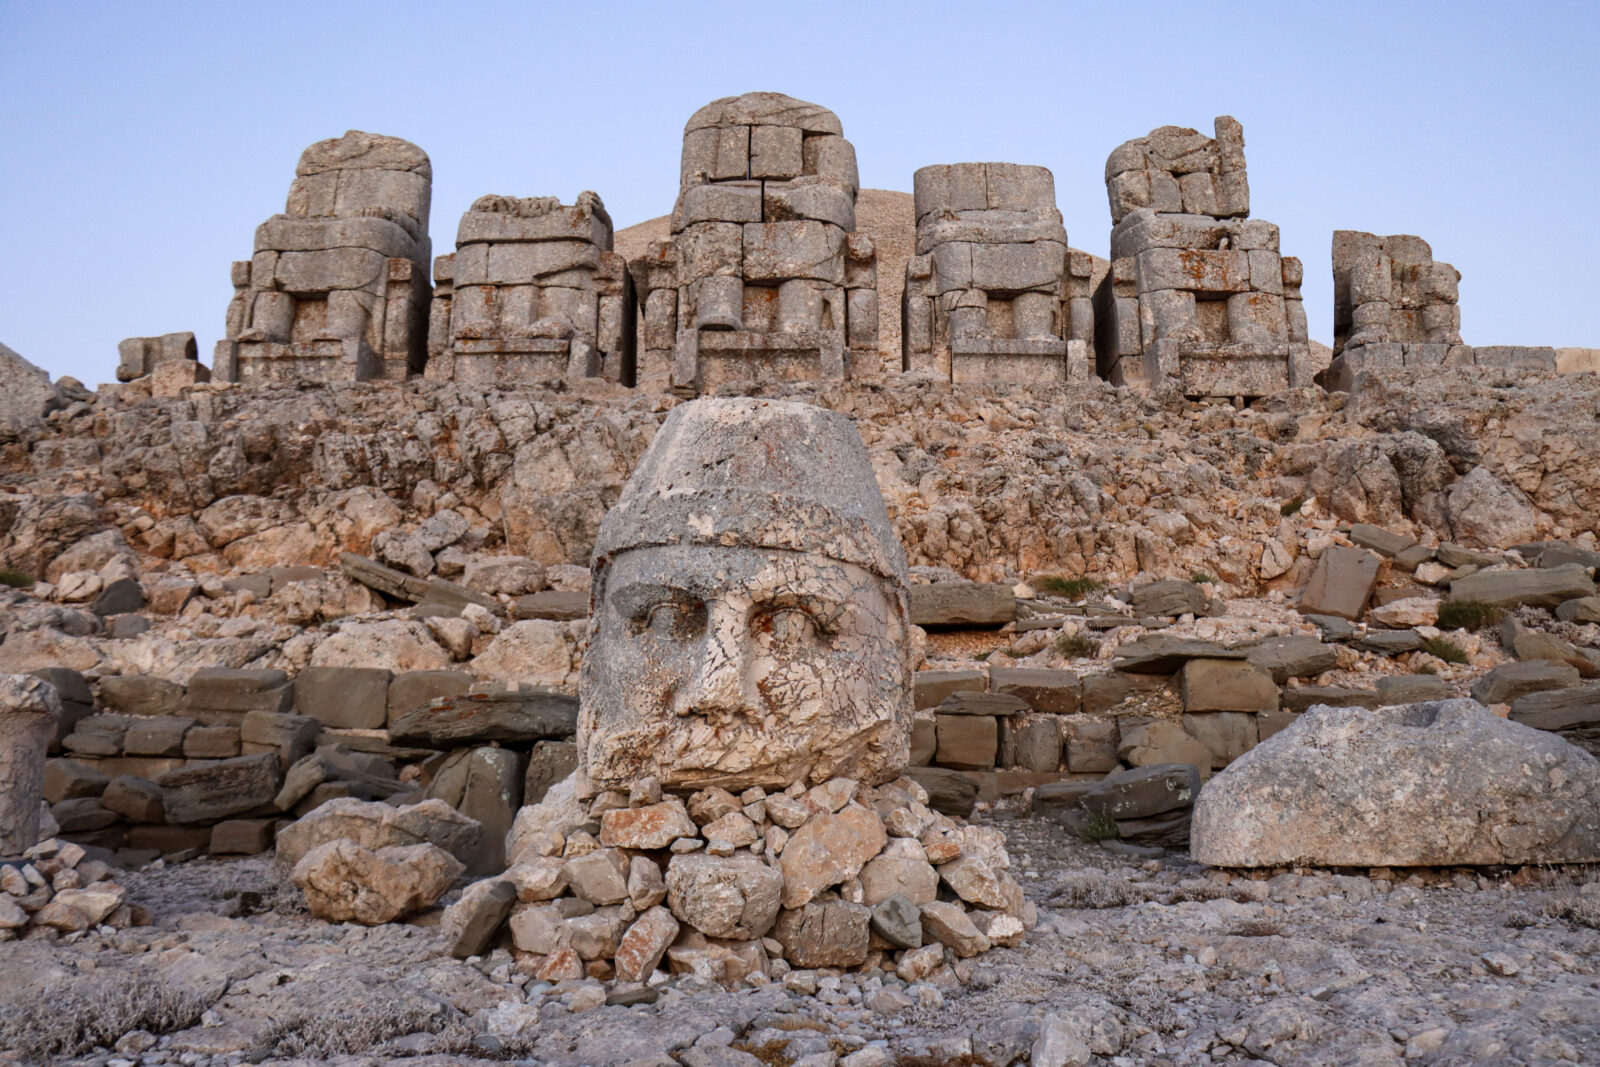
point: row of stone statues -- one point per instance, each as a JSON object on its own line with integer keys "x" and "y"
{"x": 765, "y": 275}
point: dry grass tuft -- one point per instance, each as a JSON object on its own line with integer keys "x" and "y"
{"x": 74, "y": 1019}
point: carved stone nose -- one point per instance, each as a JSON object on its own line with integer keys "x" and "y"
{"x": 720, "y": 687}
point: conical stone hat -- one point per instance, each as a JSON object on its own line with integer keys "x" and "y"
{"x": 750, "y": 473}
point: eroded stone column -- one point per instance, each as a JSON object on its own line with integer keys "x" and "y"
{"x": 29, "y": 711}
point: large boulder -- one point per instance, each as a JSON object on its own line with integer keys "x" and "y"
{"x": 376, "y": 825}
{"x": 1444, "y": 783}
{"x": 344, "y": 881}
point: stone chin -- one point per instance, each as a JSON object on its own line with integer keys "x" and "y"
{"x": 739, "y": 667}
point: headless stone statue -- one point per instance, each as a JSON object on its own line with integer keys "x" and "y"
{"x": 748, "y": 624}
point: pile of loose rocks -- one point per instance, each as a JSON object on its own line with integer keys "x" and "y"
{"x": 740, "y": 889}
{"x": 55, "y": 888}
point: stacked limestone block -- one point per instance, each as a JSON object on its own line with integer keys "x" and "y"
{"x": 993, "y": 292}
{"x": 740, "y": 889}
{"x": 172, "y": 360}
{"x": 533, "y": 292}
{"x": 1198, "y": 292}
{"x": 1395, "y": 306}
{"x": 338, "y": 287}
{"x": 764, "y": 276}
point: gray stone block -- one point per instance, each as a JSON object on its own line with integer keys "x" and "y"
{"x": 520, "y": 716}
{"x": 1341, "y": 584}
{"x": 210, "y": 792}
{"x": 410, "y": 690}
{"x": 1509, "y": 681}
{"x": 1293, "y": 657}
{"x": 226, "y": 689}
{"x": 1516, "y": 588}
{"x": 1044, "y": 689}
{"x": 967, "y": 742}
{"x": 141, "y": 695}
{"x": 352, "y": 698}
{"x": 962, "y": 605}
{"x": 1227, "y": 685}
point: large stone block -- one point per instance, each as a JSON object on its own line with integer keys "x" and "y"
{"x": 1359, "y": 788}
{"x": 1044, "y": 689}
{"x": 1143, "y": 792}
{"x": 779, "y": 251}
{"x": 1227, "y": 685}
{"x": 211, "y": 792}
{"x": 1517, "y": 588}
{"x": 349, "y": 698}
{"x": 375, "y": 824}
{"x": 962, "y": 604}
{"x": 410, "y": 690}
{"x": 516, "y": 716}
{"x": 967, "y": 742}
{"x": 1342, "y": 583}
{"x": 238, "y": 690}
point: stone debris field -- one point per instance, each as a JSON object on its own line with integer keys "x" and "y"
{"x": 820, "y": 627}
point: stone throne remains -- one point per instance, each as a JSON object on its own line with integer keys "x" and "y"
{"x": 532, "y": 292}
{"x": 337, "y": 290}
{"x": 764, "y": 276}
{"x": 748, "y": 618}
{"x": 993, "y": 293}
{"x": 1198, "y": 292}
{"x": 1395, "y": 306}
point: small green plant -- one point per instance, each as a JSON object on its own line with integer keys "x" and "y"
{"x": 1428, "y": 668}
{"x": 1290, "y": 507}
{"x": 1445, "y": 649}
{"x": 1053, "y": 585}
{"x": 1468, "y": 615}
{"x": 1097, "y": 826}
{"x": 1077, "y": 646}
{"x": 15, "y": 579}
{"x": 985, "y": 654}
{"x": 1201, "y": 578}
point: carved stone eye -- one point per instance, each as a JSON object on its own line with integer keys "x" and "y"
{"x": 787, "y": 626}
{"x": 672, "y": 619}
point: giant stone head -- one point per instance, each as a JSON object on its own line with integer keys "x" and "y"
{"x": 748, "y": 621}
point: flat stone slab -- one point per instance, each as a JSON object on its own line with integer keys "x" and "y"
{"x": 1536, "y": 588}
{"x": 963, "y": 604}
{"x": 1341, "y": 584}
{"x": 1160, "y": 654}
{"x": 1308, "y": 696}
{"x": 1509, "y": 681}
{"x": 551, "y": 604}
{"x": 1045, "y": 689}
{"x": 1390, "y": 642}
{"x": 475, "y": 718}
{"x": 1292, "y": 657}
{"x": 999, "y": 704}
{"x": 930, "y": 688}
{"x": 1348, "y": 787}
{"x": 1572, "y": 713}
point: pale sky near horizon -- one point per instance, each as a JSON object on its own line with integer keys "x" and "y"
{"x": 141, "y": 144}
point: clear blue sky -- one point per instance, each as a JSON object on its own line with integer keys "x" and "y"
{"x": 142, "y": 143}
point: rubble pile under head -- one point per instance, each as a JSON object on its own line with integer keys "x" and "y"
{"x": 741, "y": 889}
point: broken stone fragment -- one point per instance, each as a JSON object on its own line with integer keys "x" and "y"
{"x": 734, "y": 897}
{"x": 29, "y": 711}
{"x": 827, "y": 850}
{"x": 652, "y": 826}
